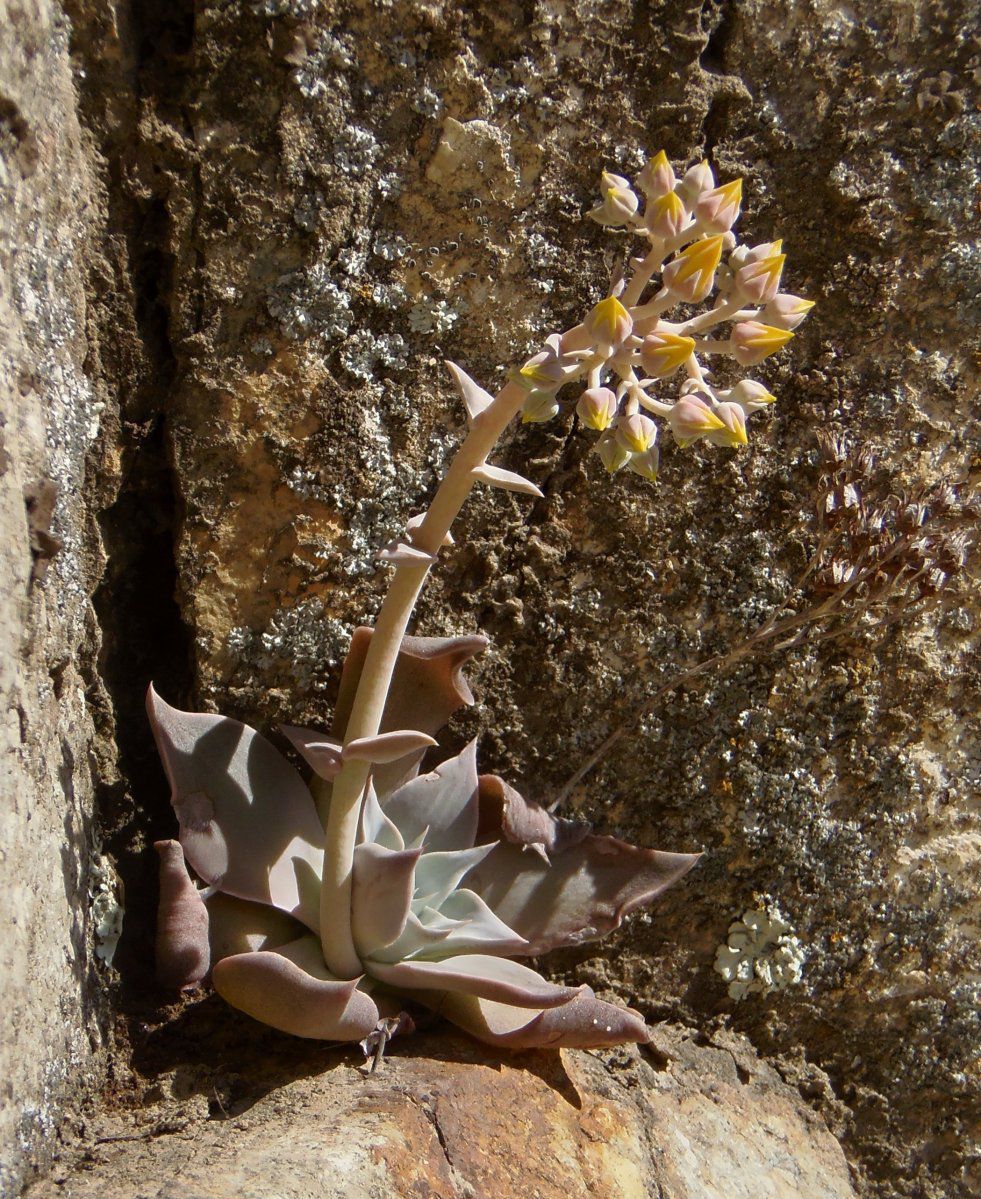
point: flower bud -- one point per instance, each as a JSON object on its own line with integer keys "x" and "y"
{"x": 612, "y": 454}
{"x": 697, "y": 179}
{"x": 662, "y": 353}
{"x": 759, "y": 280}
{"x": 619, "y": 202}
{"x": 542, "y": 372}
{"x": 666, "y": 215}
{"x": 646, "y": 464}
{"x": 609, "y": 324}
{"x": 597, "y": 408}
{"x": 733, "y": 431}
{"x": 716, "y": 211}
{"x": 765, "y": 249}
{"x": 657, "y": 177}
{"x": 785, "y": 311}
{"x": 553, "y": 366}
{"x": 691, "y": 418}
{"x": 539, "y": 406}
{"x": 690, "y": 275}
{"x": 750, "y": 396}
{"x": 636, "y": 433}
{"x": 751, "y": 341}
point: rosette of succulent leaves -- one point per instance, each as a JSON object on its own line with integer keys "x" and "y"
{"x": 326, "y": 905}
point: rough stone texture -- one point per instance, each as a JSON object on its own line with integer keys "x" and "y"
{"x": 452, "y": 1122}
{"x": 51, "y": 1048}
{"x": 308, "y": 206}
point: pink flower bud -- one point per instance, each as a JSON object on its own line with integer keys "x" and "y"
{"x": 759, "y": 279}
{"x": 750, "y": 396}
{"x": 619, "y": 202}
{"x": 609, "y": 324}
{"x": 697, "y": 179}
{"x": 646, "y": 464}
{"x": 691, "y": 418}
{"x": 612, "y": 454}
{"x": 636, "y": 433}
{"x": 733, "y": 431}
{"x": 663, "y": 352}
{"x": 765, "y": 249}
{"x": 716, "y": 211}
{"x": 597, "y": 408}
{"x": 539, "y": 406}
{"x": 752, "y": 341}
{"x": 785, "y": 311}
{"x": 691, "y": 275}
{"x": 666, "y": 215}
{"x": 657, "y": 177}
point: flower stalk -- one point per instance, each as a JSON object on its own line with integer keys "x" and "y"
{"x": 687, "y": 227}
{"x": 340, "y": 802}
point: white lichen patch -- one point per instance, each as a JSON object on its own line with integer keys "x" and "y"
{"x": 437, "y": 317}
{"x": 105, "y": 905}
{"x": 761, "y": 954}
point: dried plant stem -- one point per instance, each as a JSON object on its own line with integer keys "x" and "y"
{"x": 341, "y": 802}
{"x": 791, "y": 629}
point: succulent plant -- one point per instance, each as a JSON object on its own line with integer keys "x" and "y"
{"x": 326, "y": 904}
{"x": 453, "y": 873}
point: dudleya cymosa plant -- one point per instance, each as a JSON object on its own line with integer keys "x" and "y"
{"x": 325, "y": 906}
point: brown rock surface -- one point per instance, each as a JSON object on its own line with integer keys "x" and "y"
{"x": 53, "y": 1031}
{"x": 302, "y": 208}
{"x": 450, "y": 1121}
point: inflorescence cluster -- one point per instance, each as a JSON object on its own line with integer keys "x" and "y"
{"x": 626, "y": 348}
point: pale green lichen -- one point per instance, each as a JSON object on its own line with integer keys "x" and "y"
{"x": 762, "y": 953}
{"x": 105, "y": 905}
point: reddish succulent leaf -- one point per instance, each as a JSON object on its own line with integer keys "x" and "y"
{"x": 381, "y": 895}
{"x": 503, "y": 811}
{"x": 427, "y": 688}
{"x": 248, "y": 822}
{"x": 241, "y": 926}
{"x": 444, "y": 802}
{"x": 321, "y": 753}
{"x": 183, "y": 956}
{"x": 586, "y": 891}
{"x": 475, "y": 974}
{"x": 387, "y": 747}
{"x": 583, "y": 1022}
{"x": 289, "y": 989}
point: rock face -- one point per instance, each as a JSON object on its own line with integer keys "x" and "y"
{"x": 51, "y": 869}
{"x": 283, "y": 215}
{"x": 450, "y": 1122}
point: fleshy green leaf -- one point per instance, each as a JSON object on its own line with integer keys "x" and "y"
{"x": 497, "y": 476}
{"x": 437, "y": 874}
{"x": 247, "y": 822}
{"x": 444, "y": 801}
{"x": 183, "y": 954}
{"x": 376, "y": 828}
{"x": 290, "y": 989}
{"x": 583, "y": 1022}
{"x": 504, "y": 811}
{"x": 427, "y": 688}
{"x": 241, "y": 926}
{"x": 400, "y": 553}
{"x": 475, "y": 974}
{"x": 475, "y": 399}
{"x": 321, "y": 753}
{"x": 387, "y": 747}
{"x": 590, "y": 885}
{"x": 381, "y": 896}
{"x": 480, "y": 930}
